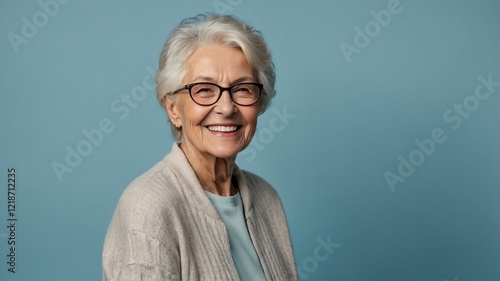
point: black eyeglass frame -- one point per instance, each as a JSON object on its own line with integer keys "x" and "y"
{"x": 222, "y": 89}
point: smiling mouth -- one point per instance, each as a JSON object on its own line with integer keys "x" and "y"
{"x": 223, "y": 129}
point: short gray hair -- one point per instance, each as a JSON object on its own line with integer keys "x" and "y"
{"x": 205, "y": 29}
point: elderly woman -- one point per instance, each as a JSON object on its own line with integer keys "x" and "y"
{"x": 195, "y": 215}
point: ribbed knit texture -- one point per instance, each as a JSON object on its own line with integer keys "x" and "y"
{"x": 166, "y": 228}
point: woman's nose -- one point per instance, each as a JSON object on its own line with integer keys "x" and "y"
{"x": 225, "y": 104}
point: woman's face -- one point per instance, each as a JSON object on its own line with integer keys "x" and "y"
{"x": 224, "y": 128}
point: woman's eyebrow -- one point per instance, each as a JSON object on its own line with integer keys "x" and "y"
{"x": 243, "y": 79}
{"x": 212, "y": 80}
{"x": 204, "y": 79}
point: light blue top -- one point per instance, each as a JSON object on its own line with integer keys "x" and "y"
{"x": 230, "y": 209}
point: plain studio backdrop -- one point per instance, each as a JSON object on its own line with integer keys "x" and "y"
{"x": 383, "y": 140}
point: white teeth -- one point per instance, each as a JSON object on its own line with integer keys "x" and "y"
{"x": 223, "y": 128}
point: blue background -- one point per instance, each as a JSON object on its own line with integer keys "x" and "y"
{"x": 348, "y": 123}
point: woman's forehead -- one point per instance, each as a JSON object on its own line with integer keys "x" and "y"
{"x": 214, "y": 63}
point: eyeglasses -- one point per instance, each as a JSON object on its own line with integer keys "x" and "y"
{"x": 204, "y": 93}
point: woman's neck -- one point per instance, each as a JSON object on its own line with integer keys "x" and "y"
{"x": 215, "y": 174}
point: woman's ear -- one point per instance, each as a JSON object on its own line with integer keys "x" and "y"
{"x": 172, "y": 111}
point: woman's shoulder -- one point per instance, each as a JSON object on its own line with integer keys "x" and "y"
{"x": 149, "y": 197}
{"x": 158, "y": 181}
{"x": 145, "y": 219}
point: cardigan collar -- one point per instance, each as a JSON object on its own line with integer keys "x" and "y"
{"x": 177, "y": 161}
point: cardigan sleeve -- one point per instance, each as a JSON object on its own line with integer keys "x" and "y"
{"x": 139, "y": 257}
{"x": 141, "y": 243}
{"x": 134, "y": 272}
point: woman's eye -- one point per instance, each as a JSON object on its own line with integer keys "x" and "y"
{"x": 243, "y": 92}
{"x": 242, "y": 89}
{"x": 203, "y": 90}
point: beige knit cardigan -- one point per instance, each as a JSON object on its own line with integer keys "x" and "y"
{"x": 166, "y": 228}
